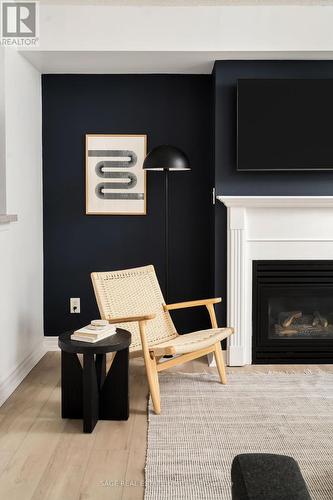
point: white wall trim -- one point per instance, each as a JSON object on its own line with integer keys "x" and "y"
{"x": 51, "y": 344}
{"x": 6, "y": 218}
{"x": 10, "y": 383}
{"x": 211, "y": 358}
{"x": 147, "y": 62}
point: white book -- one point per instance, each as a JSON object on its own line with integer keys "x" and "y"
{"x": 86, "y": 338}
{"x": 98, "y": 333}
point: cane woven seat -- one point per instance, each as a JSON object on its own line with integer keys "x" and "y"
{"x": 192, "y": 341}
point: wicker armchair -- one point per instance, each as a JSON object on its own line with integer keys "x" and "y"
{"x": 133, "y": 299}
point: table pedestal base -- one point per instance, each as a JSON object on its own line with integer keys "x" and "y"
{"x": 89, "y": 392}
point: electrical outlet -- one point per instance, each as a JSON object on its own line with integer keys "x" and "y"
{"x": 74, "y": 305}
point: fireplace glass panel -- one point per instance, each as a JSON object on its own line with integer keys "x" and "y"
{"x": 301, "y": 317}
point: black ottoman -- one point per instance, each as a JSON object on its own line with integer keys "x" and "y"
{"x": 261, "y": 476}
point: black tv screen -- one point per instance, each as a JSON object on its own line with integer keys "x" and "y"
{"x": 284, "y": 124}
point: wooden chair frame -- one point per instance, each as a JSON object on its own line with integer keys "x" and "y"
{"x": 152, "y": 355}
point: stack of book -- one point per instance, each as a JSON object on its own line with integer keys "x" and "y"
{"x": 97, "y": 330}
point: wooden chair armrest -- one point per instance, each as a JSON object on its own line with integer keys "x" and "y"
{"x": 191, "y": 303}
{"x": 132, "y": 319}
{"x": 142, "y": 327}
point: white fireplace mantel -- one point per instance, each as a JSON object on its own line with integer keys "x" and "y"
{"x": 276, "y": 201}
{"x": 269, "y": 228}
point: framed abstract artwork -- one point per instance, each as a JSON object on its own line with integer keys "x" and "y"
{"x": 115, "y": 180}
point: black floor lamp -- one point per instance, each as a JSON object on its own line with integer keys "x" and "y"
{"x": 166, "y": 158}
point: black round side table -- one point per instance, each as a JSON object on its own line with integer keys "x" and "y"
{"x": 89, "y": 392}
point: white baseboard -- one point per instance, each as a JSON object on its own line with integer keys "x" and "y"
{"x": 10, "y": 383}
{"x": 13, "y": 380}
{"x": 51, "y": 344}
{"x": 211, "y": 358}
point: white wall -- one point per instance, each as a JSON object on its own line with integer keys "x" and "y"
{"x": 2, "y": 134}
{"x": 21, "y": 272}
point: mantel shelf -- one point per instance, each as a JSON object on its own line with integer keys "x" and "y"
{"x": 277, "y": 201}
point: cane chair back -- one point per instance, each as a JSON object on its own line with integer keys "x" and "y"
{"x": 134, "y": 292}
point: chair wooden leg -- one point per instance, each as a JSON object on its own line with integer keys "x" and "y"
{"x": 157, "y": 404}
{"x": 151, "y": 369}
{"x": 153, "y": 383}
{"x": 220, "y": 363}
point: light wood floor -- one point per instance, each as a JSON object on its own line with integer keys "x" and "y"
{"x": 44, "y": 457}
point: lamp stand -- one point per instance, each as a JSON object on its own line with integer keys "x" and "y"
{"x": 166, "y": 157}
{"x": 166, "y": 228}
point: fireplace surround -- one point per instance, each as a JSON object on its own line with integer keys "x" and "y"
{"x": 270, "y": 228}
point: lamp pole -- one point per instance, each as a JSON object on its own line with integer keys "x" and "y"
{"x": 166, "y": 229}
{"x": 166, "y": 157}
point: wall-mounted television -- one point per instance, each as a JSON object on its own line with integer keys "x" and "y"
{"x": 284, "y": 124}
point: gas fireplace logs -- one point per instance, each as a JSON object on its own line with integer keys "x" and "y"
{"x": 318, "y": 319}
{"x": 296, "y": 323}
{"x": 287, "y": 318}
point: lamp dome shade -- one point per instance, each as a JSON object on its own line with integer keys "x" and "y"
{"x": 166, "y": 158}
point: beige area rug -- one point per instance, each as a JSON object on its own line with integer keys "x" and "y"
{"x": 203, "y": 425}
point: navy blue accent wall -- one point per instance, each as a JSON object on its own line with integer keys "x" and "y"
{"x": 230, "y": 182}
{"x": 174, "y": 109}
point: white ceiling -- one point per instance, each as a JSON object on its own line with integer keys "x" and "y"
{"x": 82, "y": 38}
{"x": 148, "y": 62}
{"x": 189, "y": 3}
